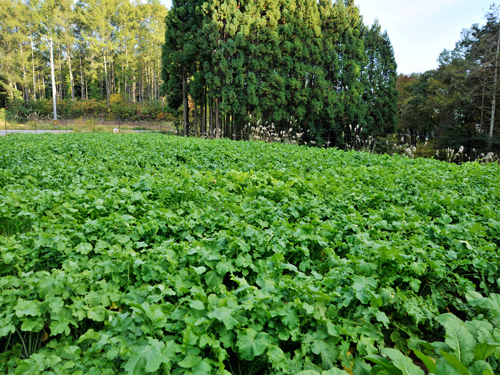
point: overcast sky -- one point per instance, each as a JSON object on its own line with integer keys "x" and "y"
{"x": 420, "y": 29}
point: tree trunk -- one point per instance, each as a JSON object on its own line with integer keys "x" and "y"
{"x": 203, "y": 114}
{"x": 71, "y": 75}
{"x": 26, "y": 95}
{"x": 211, "y": 118}
{"x": 495, "y": 88}
{"x": 107, "y": 79}
{"x": 81, "y": 78}
{"x": 61, "y": 82}
{"x": 185, "y": 101}
{"x": 54, "y": 93}
{"x": 134, "y": 89}
{"x": 154, "y": 82}
{"x": 113, "y": 80}
{"x": 482, "y": 101}
{"x": 217, "y": 119}
{"x": 195, "y": 120}
{"x": 33, "y": 65}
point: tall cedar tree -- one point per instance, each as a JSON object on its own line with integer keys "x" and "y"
{"x": 285, "y": 62}
{"x": 380, "y": 73}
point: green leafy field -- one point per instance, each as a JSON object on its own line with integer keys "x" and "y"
{"x": 151, "y": 254}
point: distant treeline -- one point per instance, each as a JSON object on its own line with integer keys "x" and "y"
{"x": 105, "y": 50}
{"x": 458, "y": 102}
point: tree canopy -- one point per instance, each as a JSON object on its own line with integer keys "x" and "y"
{"x": 103, "y": 49}
{"x": 291, "y": 63}
{"x": 456, "y": 104}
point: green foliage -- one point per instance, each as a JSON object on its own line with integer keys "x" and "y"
{"x": 300, "y": 64}
{"x": 454, "y": 102}
{"x": 381, "y": 76}
{"x": 101, "y": 48}
{"x": 119, "y": 109}
{"x": 150, "y": 254}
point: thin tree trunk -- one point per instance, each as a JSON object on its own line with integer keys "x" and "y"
{"x": 61, "y": 83}
{"x": 185, "y": 102}
{"x": 107, "y": 79}
{"x": 81, "y": 78}
{"x": 211, "y": 118}
{"x": 54, "y": 92}
{"x": 195, "y": 120}
{"x": 113, "y": 79}
{"x": 26, "y": 95}
{"x": 134, "y": 88}
{"x": 125, "y": 76}
{"x": 203, "y": 119}
{"x": 71, "y": 76}
{"x": 217, "y": 119}
{"x": 33, "y": 65}
{"x": 482, "y": 100}
{"x": 495, "y": 88}
{"x": 154, "y": 82}
{"x": 122, "y": 82}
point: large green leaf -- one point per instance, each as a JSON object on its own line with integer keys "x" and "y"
{"x": 252, "y": 344}
{"x": 428, "y": 362}
{"x": 483, "y": 351}
{"x": 224, "y": 314}
{"x": 481, "y": 368}
{"x": 146, "y": 358}
{"x": 33, "y": 366}
{"x": 458, "y": 338}
{"x": 403, "y": 363}
{"x": 445, "y": 367}
{"x": 384, "y": 363}
{"x": 455, "y": 362}
{"x": 27, "y": 308}
{"x": 33, "y": 325}
{"x": 59, "y": 326}
{"x": 327, "y": 349}
{"x": 190, "y": 361}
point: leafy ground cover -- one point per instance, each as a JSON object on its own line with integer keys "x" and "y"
{"x": 151, "y": 254}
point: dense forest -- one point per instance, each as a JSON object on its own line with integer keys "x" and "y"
{"x": 300, "y": 64}
{"x": 106, "y": 56}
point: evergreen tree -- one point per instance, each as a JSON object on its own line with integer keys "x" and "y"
{"x": 380, "y": 74}
{"x": 179, "y": 53}
{"x": 344, "y": 55}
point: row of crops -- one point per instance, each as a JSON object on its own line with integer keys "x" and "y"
{"x": 151, "y": 254}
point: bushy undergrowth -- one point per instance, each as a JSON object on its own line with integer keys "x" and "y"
{"x": 165, "y": 255}
{"x": 66, "y": 108}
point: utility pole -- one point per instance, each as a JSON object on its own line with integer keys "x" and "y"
{"x": 53, "y": 82}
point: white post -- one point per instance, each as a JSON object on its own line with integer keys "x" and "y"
{"x": 54, "y": 93}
